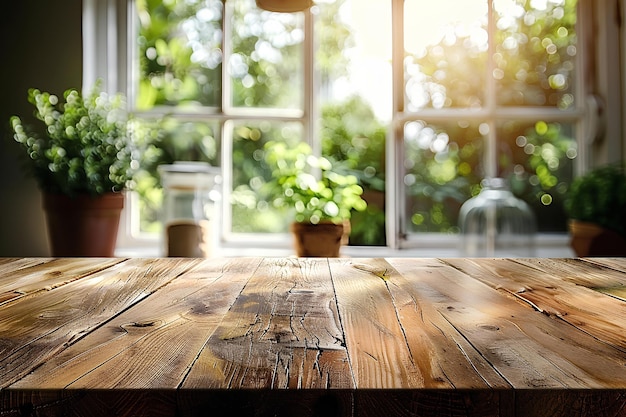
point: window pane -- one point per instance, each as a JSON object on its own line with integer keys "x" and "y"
{"x": 538, "y": 160}
{"x": 442, "y": 169}
{"x": 252, "y": 210}
{"x": 445, "y": 46}
{"x": 452, "y": 63}
{"x": 535, "y": 53}
{"x": 170, "y": 140}
{"x": 355, "y": 74}
{"x": 267, "y": 55}
{"x": 180, "y": 53}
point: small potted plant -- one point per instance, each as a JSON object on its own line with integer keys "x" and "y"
{"x": 82, "y": 158}
{"x": 596, "y": 206}
{"x": 322, "y": 200}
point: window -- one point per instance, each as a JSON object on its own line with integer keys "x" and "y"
{"x": 420, "y": 100}
{"x": 490, "y": 90}
{"x": 224, "y": 79}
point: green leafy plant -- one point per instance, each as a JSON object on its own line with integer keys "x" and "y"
{"x": 599, "y": 197}
{"x": 86, "y": 146}
{"x": 327, "y": 197}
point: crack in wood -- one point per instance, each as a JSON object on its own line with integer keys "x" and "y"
{"x": 382, "y": 274}
{"x": 478, "y": 351}
{"x": 399, "y": 320}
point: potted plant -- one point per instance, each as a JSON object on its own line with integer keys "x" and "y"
{"x": 322, "y": 200}
{"x": 596, "y": 205}
{"x": 82, "y": 162}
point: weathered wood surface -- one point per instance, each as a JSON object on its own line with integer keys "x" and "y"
{"x": 36, "y": 328}
{"x": 312, "y": 337}
{"x": 282, "y": 331}
{"x": 566, "y": 290}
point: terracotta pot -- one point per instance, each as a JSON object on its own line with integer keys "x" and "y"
{"x": 84, "y": 225}
{"x": 317, "y": 240}
{"x": 589, "y": 240}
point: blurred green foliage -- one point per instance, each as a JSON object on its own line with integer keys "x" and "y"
{"x": 84, "y": 145}
{"x": 309, "y": 186}
{"x": 534, "y": 63}
{"x": 181, "y": 64}
{"x": 599, "y": 197}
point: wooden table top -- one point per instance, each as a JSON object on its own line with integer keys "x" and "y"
{"x": 312, "y": 337}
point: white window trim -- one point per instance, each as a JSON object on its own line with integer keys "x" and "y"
{"x": 107, "y": 25}
{"x": 490, "y": 113}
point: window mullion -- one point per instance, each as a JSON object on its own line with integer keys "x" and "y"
{"x": 394, "y": 191}
{"x": 226, "y": 161}
{"x": 491, "y": 157}
{"x": 310, "y": 113}
{"x": 227, "y": 48}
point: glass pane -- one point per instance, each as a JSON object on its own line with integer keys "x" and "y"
{"x": 266, "y": 65}
{"x": 445, "y": 53}
{"x": 535, "y": 52}
{"x": 252, "y": 211}
{"x": 537, "y": 158}
{"x": 167, "y": 141}
{"x": 180, "y": 53}
{"x": 355, "y": 74}
{"x": 442, "y": 169}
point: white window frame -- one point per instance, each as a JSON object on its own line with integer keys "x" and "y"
{"x": 108, "y": 24}
{"x": 490, "y": 113}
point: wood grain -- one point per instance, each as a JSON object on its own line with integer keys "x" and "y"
{"x": 36, "y": 328}
{"x": 169, "y": 330}
{"x": 27, "y": 276}
{"x": 282, "y": 332}
{"x": 377, "y": 348}
{"x": 560, "y": 292}
{"x": 526, "y": 347}
{"x": 439, "y": 348}
{"x": 15, "y": 264}
{"x": 312, "y": 337}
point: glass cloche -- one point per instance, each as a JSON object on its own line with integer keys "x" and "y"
{"x": 495, "y": 223}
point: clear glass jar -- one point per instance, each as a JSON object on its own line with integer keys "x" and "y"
{"x": 191, "y": 195}
{"x": 495, "y": 223}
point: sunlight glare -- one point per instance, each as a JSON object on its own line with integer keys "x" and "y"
{"x": 426, "y": 23}
{"x": 370, "y": 59}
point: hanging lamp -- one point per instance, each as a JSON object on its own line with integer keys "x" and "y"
{"x": 284, "y": 6}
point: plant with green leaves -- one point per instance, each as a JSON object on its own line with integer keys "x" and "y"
{"x": 599, "y": 197}
{"x": 327, "y": 197}
{"x": 86, "y": 147}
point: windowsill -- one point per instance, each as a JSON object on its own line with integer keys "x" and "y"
{"x": 552, "y": 246}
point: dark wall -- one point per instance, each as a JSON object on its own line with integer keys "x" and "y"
{"x": 40, "y": 46}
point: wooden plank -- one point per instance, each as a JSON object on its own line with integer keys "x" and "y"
{"x": 435, "y": 403}
{"x": 92, "y": 403}
{"x": 442, "y": 355}
{"x": 377, "y": 348}
{"x": 153, "y": 344}
{"x": 619, "y": 264}
{"x": 36, "y": 328}
{"x": 31, "y": 275}
{"x": 4, "y": 260}
{"x": 587, "y": 273}
{"x": 13, "y": 264}
{"x": 314, "y": 403}
{"x": 266, "y": 403}
{"x": 274, "y": 403}
{"x": 617, "y": 292}
{"x": 282, "y": 332}
{"x": 526, "y": 347}
{"x": 570, "y": 403}
{"x": 558, "y": 289}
